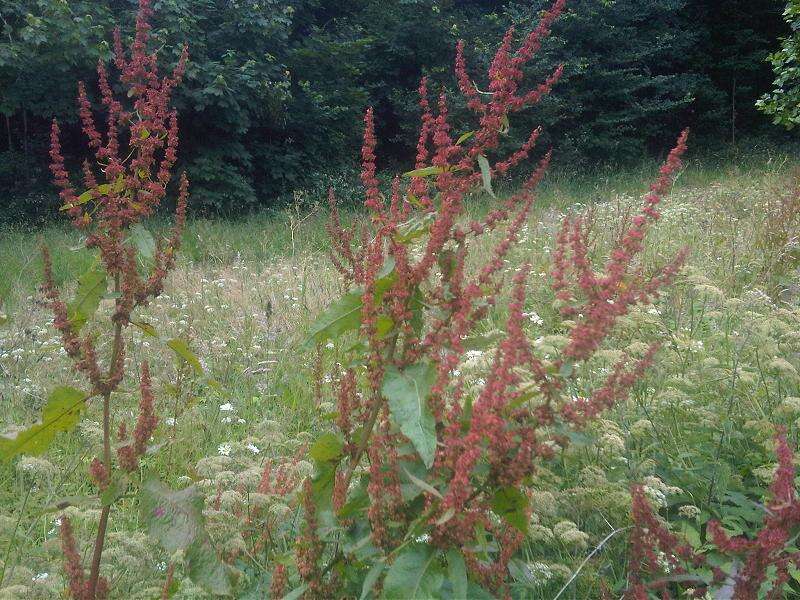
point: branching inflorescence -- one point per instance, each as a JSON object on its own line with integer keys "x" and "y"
{"x": 134, "y": 182}
{"x": 420, "y": 296}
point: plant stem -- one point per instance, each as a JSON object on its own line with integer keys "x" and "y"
{"x": 99, "y": 541}
{"x": 373, "y": 417}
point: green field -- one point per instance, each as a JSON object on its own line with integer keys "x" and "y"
{"x": 697, "y": 430}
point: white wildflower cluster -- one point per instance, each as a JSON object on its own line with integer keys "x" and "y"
{"x": 568, "y": 533}
{"x": 657, "y": 491}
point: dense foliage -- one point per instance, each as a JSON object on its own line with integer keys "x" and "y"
{"x": 426, "y": 482}
{"x": 272, "y": 85}
{"x": 783, "y": 103}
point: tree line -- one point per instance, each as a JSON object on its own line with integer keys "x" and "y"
{"x": 275, "y": 90}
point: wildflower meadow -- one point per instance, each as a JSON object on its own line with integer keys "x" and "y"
{"x": 484, "y": 376}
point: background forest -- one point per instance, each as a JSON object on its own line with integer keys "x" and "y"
{"x": 275, "y": 90}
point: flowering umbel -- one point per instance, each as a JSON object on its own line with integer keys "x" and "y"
{"x": 128, "y": 185}
{"x": 466, "y": 454}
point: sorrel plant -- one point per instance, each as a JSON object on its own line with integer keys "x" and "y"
{"x": 422, "y": 488}
{"x": 134, "y": 163}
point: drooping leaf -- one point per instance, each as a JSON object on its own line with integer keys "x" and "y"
{"x": 371, "y": 579}
{"x": 413, "y": 575}
{"x": 457, "y": 573}
{"x": 143, "y": 241}
{"x": 92, "y": 286}
{"x": 175, "y": 519}
{"x": 328, "y": 447}
{"x": 61, "y": 413}
{"x": 486, "y": 174}
{"x": 510, "y": 504}
{"x": 407, "y": 392}
{"x": 146, "y": 328}
{"x": 423, "y": 485}
{"x": 181, "y": 348}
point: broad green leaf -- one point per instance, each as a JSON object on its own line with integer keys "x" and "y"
{"x": 328, "y": 447}
{"x": 144, "y": 133}
{"x": 345, "y": 314}
{"x": 175, "y": 519}
{"x": 510, "y": 504}
{"x": 206, "y": 568}
{"x": 181, "y": 348}
{"x": 424, "y": 172}
{"x": 486, "y": 174}
{"x": 92, "y": 286}
{"x": 407, "y": 392}
{"x": 384, "y": 324}
{"x": 464, "y": 137}
{"x": 457, "y": 573}
{"x": 691, "y": 534}
{"x": 371, "y": 579}
{"x": 143, "y": 241}
{"x": 341, "y": 316}
{"x": 61, "y": 413}
{"x": 322, "y": 484}
{"x": 413, "y": 575}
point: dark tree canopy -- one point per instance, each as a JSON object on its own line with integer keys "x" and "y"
{"x": 275, "y": 90}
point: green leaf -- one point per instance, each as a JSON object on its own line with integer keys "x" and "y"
{"x": 175, "y": 519}
{"x": 115, "y": 490}
{"x": 413, "y": 575}
{"x": 322, "y": 484}
{"x": 92, "y": 286}
{"x": 341, "y": 316}
{"x": 296, "y": 592}
{"x": 691, "y": 534}
{"x": 457, "y": 573}
{"x": 414, "y": 228}
{"x": 486, "y": 174}
{"x": 146, "y": 328}
{"x": 384, "y": 324}
{"x": 143, "y": 241}
{"x": 464, "y": 137}
{"x": 423, "y": 485}
{"x": 371, "y": 579}
{"x": 61, "y": 413}
{"x": 181, "y": 348}
{"x": 407, "y": 392}
{"x": 424, "y": 172}
{"x": 345, "y": 314}
{"x": 328, "y": 447}
{"x": 510, "y": 504}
